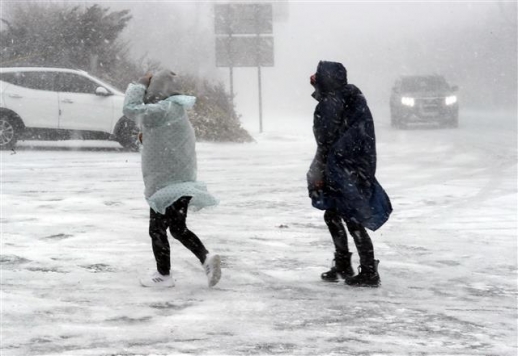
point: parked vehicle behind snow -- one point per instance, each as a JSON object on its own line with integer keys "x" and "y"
{"x": 53, "y": 103}
{"x": 423, "y": 99}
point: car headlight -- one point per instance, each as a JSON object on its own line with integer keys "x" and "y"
{"x": 407, "y": 101}
{"x": 450, "y": 100}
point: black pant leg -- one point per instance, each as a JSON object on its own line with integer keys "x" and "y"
{"x": 177, "y": 216}
{"x": 337, "y": 230}
{"x": 158, "y": 232}
{"x": 363, "y": 243}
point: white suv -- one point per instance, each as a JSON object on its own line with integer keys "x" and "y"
{"x": 54, "y": 103}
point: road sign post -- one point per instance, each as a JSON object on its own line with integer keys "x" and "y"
{"x": 244, "y": 39}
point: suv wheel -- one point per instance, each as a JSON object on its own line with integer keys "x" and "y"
{"x": 9, "y": 132}
{"x": 127, "y": 134}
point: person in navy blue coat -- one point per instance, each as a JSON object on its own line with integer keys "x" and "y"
{"x": 341, "y": 178}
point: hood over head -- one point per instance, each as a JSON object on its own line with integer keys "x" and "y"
{"x": 330, "y": 76}
{"x": 162, "y": 86}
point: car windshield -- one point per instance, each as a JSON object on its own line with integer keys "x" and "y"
{"x": 424, "y": 84}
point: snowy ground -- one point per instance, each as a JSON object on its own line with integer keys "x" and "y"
{"x": 74, "y": 242}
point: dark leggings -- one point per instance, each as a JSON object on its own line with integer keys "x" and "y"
{"x": 361, "y": 238}
{"x": 174, "y": 219}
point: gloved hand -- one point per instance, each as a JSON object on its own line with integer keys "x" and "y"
{"x": 319, "y": 184}
{"x": 146, "y": 79}
{"x": 315, "y": 186}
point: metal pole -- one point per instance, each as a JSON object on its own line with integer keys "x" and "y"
{"x": 231, "y": 85}
{"x": 258, "y": 61}
{"x": 260, "y": 99}
{"x": 231, "y": 71}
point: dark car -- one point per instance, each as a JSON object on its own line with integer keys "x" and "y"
{"x": 423, "y": 99}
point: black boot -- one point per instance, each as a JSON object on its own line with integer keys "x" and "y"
{"x": 341, "y": 268}
{"x": 368, "y": 276}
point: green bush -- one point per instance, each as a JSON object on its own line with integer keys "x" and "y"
{"x": 213, "y": 118}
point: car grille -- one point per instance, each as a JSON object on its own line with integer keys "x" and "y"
{"x": 430, "y": 106}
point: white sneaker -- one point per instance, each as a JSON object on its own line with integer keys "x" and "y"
{"x": 157, "y": 280}
{"x": 212, "y": 268}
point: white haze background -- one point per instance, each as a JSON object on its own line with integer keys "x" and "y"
{"x": 472, "y": 43}
{"x": 74, "y": 222}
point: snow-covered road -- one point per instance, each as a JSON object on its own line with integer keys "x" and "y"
{"x": 74, "y": 242}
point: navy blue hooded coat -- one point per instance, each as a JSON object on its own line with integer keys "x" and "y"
{"x": 342, "y": 175}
